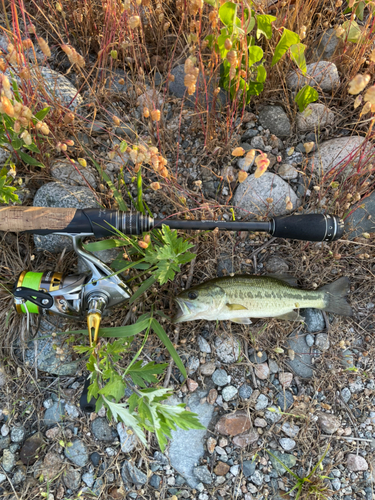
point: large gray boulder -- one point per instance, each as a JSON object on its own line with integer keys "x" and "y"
{"x": 323, "y": 75}
{"x": 251, "y": 196}
{"x": 362, "y": 218}
{"x": 314, "y": 117}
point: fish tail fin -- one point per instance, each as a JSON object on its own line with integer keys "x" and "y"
{"x": 335, "y": 294}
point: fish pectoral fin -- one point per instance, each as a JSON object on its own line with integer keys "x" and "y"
{"x": 242, "y": 321}
{"x": 235, "y": 307}
{"x": 291, "y": 316}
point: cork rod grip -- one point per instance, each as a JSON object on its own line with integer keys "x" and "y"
{"x": 35, "y": 218}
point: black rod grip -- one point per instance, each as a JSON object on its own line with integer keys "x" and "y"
{"x": 308, "y": 227}
{"x": 210, "y": 225}
{"x": 87, "y": 407}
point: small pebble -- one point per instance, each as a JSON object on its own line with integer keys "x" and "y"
{"x": 287, "y": 444}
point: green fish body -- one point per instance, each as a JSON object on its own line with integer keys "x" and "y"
{"x": 239, "y": 298}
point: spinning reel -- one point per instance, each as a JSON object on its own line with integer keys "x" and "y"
{"x": 88, "y": 295}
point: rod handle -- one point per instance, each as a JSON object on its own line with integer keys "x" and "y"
{"x": 308, "y": 227}
{"x": 35, "y": 218}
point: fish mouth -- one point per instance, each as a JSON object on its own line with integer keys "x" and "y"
{"x": 184, "y": 310}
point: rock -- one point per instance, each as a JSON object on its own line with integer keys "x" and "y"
{"x": 314, "y": 320}
{"x": 336, "y": 484}
{"x": 262, "y": 402}
{"x": 243, "y": 163}
{"x": 8, "y": 461}
{"x": 276, "y": 265}
{"x": 53, "y": 194}
{"x": 159, "y": 457}
{"x": 233, "y": 424}
{"x": 128, "y": 439}
{"x": 356, "y": 463}
{"x": 204, "y": 346}
{"x": 17, "y": 434}
{"x": 249, "y": 134}
{"x": 178, "y": 89}
{"x": 254, "y": 358}
{"x": 262, "y": 371}
{"x": 322, "y": 341}
{"x": 287, "y": 444}
{"x": 30, "y": 450}
{"x": 285, "y": 378}
{"x": 235, "y": 470}
{"x": 211, "y": 443}
{"x": 301, "y": 364}
{"x": 2, "y": 478}
{"x": 328, "y": 423}
{"x": 72, "y": 478}
{"x": 4, "y": 442}
{"x": 55, "y": 414}
{"x": 95, "y": 458}
{"x": 98, "y": 486}
{"x": 58, "y": 87}
{"x": 276, "y": 120}
{"x": 287, "y": 172}
{"x": 203, "y": 474}
{"x": 273, "y": 366}
{"x": 101, "y": 430}
{"x": 47, "y": 358}
{"x": 248, "y": 468}
{"x": 19, "y": 476}
{"x": 65, "y": 172}
{"x": 192, "y": 385}
{"x": 220, "y": 377}
{"x": 327, "y": 45}
{"x": 155, "y": 481}
{"x": 244, "y": 440}
{"x": 131, "y": 474}
{"x": 257, "y": 142}
{"x": 315, "y": 116}
{"x": 346, "y": 394}
{"x": 52, "y": 465}
{"x": 285, "y": 400}
{"x": 310, "y": 340}
{"x": 228, "y": 348}
{"x": 273, "y": 414}
{"x": 257, "y": 478}
{"x": 88, "y": 478}
{"x": 361, "y": 218}
{"x": 221, "y": 469}
{"x": 347, "y": 359}
{"x": 323, "y": 75}
{"x": 260, "y": 422}
{"x": 245, "y": 391}
{"x": 192, "y": 365}
{"x": 208, "y": 368}
{"x": 251, "y": 195}
{"x": 290, "y": 430}
{"x": 53, "y": 433}
{"x": 340, "y": 154}
{"x": 285, "y": 458}
{"x": 229, "y": 392}
{"x": 356, "y": 385}
{"x": 191, "y": 440}
{"x": 71, "y": 410}
{"x": 77, "y": 453}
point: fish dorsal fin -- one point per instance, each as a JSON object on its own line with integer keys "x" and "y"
{"x": 291, "y": 316}
{"x": 235, "y": 307}
{"x": 242, "y": 321}
{"x": 290, "y": 280}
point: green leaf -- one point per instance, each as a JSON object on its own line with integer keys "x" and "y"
{"x": 30, "y": 160}
{"x": 221, "y": 43}
{"x": 141, "y": 374}
{"x": 145, "y": 286}
{"x": 287, "y": 39}
{"x": 262, "y": 74}
{"x": 227, "y": 13}
{"x": 125, "y": 331}
{"x": 305, "y": 96}
{"x": 264, "y": 25}
{"x": 120, "y": 412}
{"x": 297, "y": 53}
{"x": 98, "y": 246}
{"x": 17, "y": 143}
{"x": 249, "y": 25}
{"x": 360, "y": 10}
{"x": 160, "y": 332}
{"x": 255, "y": 54}
{"x": 115, "y": 388}
{"x": 211, "y": 2}
{"x": 352, "y": 32}
{"x": 40, "y": 115}
{"x": 32, "y": 147}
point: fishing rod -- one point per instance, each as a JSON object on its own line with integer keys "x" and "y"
{"x": 93, "y": 294}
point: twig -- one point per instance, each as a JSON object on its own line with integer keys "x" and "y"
{"x": 169, "y": 370}
{"x": 348, "y": 438}
{"x": 191, "y": 271}
{"x": 326, "y": 320}
{"x": 10, "y": 482}
{"x": 262, "y": 246}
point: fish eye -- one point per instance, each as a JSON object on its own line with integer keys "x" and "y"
{"x": 192, "y": 295}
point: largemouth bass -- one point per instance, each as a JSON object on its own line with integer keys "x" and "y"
{"x": 239, "y": 298}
